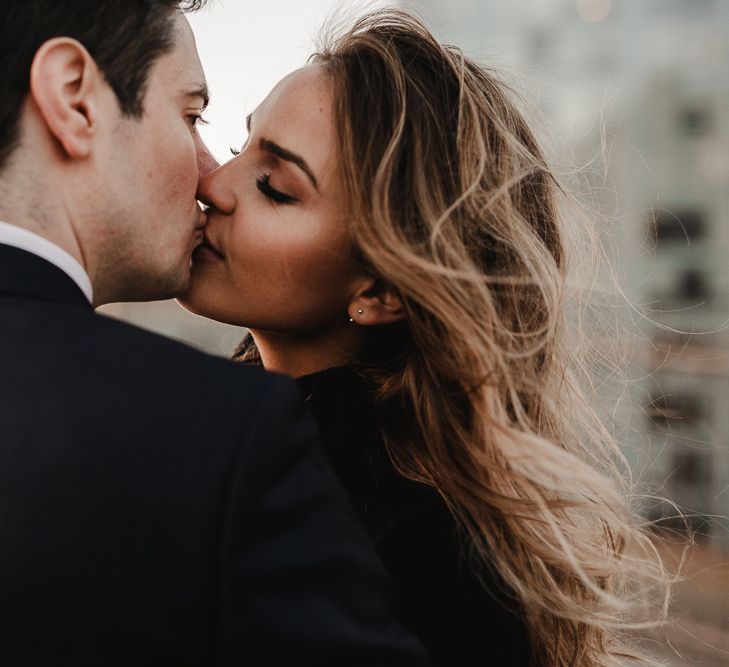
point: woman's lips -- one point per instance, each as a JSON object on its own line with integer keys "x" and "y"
{"x": 206, "y": 252}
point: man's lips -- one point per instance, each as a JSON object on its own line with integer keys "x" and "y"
{"x": 198, "y": 231}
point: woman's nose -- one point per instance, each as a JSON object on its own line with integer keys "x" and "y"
{"x": 212, "y": 186}
{"x": 216, "y": 190}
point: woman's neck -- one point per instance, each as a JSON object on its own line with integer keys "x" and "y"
{"x": 297, "y": 355}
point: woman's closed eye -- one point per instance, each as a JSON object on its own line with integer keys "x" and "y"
{"x": 263, "y": 183}
{"x": 195, "y": 120}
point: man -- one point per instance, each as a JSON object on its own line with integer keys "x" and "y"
{"x": 157, "y": 506}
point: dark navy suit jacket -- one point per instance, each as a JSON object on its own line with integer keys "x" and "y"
{"x": 162, "y": 507}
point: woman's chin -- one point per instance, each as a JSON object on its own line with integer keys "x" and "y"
{"x": 188, "y": 304}
{"x": 192, "y": 300}
{"x": 197, "y": 302}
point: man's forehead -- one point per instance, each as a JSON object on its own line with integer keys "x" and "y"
{"x": 189, "y": 74}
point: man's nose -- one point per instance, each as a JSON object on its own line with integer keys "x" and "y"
{"x": 205, "y": 160}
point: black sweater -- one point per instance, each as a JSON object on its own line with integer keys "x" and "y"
{"x": 437, "y": 594}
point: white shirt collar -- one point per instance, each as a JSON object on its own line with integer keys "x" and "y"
{"x": 23, "y": 239}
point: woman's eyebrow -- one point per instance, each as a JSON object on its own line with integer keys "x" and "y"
{"x": 279, "y": 151}
{"x": 285, "y": 154}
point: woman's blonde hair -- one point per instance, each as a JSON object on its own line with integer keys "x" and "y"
{"x": 454, "y": 207}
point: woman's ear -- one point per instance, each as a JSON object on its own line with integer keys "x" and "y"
{"x": 63, "y": 78}
{"x": 374, "y": 303}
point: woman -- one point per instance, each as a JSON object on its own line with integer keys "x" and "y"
{"x": 390, "y": 235}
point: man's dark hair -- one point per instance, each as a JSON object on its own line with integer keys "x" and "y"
{"x": 125, "y": 38}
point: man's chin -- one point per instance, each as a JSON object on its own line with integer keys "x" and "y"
{"x": 180, "y": 287}
{"x": 164, "y": 287}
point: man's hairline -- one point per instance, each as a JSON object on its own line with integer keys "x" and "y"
{"x": 174, "y": 34}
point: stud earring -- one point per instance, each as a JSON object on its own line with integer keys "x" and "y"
{"x": 360, "y": 311}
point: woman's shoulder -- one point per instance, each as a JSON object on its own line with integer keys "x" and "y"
{"x": 437, "y": 591}
{"x": 462, "y": 612}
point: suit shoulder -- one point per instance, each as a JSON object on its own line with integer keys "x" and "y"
{"x": 129, "y": 350}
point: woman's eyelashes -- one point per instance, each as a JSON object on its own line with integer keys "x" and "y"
{"x": 237, "y": 151}
{"x": 263, "y": 183}
{"x": 196, "y": 119}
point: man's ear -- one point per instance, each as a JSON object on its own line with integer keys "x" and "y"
{"x": 374, "y": 303}
{"x": 63, "y": 80}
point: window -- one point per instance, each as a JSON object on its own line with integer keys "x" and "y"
{"x": 692, "y": 285}
{"x": 667, "y": 410}
{"x": 694, "y": 121}
{"x": 691, "y": 469}
{"x": 684, "y": 226}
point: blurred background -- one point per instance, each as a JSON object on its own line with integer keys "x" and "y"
{"x": 632, "y": 97}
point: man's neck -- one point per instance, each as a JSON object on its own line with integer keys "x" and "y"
{"x": 65, "y": 239}
{"x": 43, "y": 215}
{"x": 28, "y": 241}
{"x": 32, "y": 199}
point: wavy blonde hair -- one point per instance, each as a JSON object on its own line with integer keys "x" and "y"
{"x": 455, "y": 208}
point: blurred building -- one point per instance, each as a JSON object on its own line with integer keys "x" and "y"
{"x": 637, "y": 91}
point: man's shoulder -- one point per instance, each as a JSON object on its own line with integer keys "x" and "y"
{"x": 98, "y": 350}
{"x": 137, "y": 350}
{"x": 86, "y": 364}
{"x": 115, "y": 335}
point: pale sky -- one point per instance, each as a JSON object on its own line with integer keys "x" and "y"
{"x": 246, "y": 47}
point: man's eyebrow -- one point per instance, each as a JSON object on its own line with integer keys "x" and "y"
{"x": 201, "y": 91}
{"x": 280, "y": 152}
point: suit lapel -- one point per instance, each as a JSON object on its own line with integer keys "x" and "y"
{"x": 24, "y": 274}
